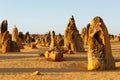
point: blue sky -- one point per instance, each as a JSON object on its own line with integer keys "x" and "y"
{"x": 40, "y": 16}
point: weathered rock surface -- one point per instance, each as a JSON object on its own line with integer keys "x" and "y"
{"x": 53, "y": 40}
{"x": 60, "y": 40}
{"x": 3, "y": 28}
{"x": 8, "y": 45}
{"x": 36, "y": 73}
{"x": 54, "y": 54}
{"x": 15, "y": 34}
{"x": 85, "y": 34}
{"x": 99, "y": 52}
{"x": 72, "y": 39}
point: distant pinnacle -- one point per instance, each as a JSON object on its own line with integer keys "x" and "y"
{"x": 72, "y": 18}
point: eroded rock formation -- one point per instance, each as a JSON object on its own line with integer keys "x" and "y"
{"x": 54, "y": 54}
{"x": 85, "y": 34}
{"x": 15, "y": 34}
{"x": 3, "y": 28}
{"x": 72, "y": 39}
{"x": 53, "y": 40}
{"x": 8, "y": 45}
{"x": 6, "y": 40}
{"x": 60, "y": 40}
{"x": 99, "y": 52}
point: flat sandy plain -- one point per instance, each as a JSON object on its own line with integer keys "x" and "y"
{"x": 20, "y": 66}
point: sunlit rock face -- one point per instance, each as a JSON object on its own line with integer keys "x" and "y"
{"x": 72, "y": 39}
{"x": 3, "y": 28}
{"x": 54, "y": 54}
{"x": 99, "y": 51}
{"x": 53, "y": 40}
{"x": 8, "y": 45}
{"x": 85, "y": 34}
{"x": 15, "y": 34}
{"x": 6, "y": 41}
{"x": 60, "y": 40}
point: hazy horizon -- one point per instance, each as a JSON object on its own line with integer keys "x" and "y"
{"x": 41, "y": 16}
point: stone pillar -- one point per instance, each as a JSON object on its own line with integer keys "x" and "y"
{"x": 53, "y": 41}
{"x": 3, "y": 29}
{"x": 15, "y": 34}
{"x": 99, "y": 51}
{"x": 72, "y": 39}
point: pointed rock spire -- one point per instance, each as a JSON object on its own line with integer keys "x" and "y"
{"x": 72, "y": 39}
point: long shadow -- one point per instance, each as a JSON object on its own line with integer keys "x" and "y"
{"x": 38, "y": 69}
{"x": 16, "y": 57}
{"x": 52, "y": 70}
{"x": 20, "y": 52}
{"x": 9, "y": 56}
{"x": 32, "y": 52}
{"x": 71, "y": 58}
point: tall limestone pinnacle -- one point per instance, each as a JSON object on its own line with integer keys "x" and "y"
{"x": 5, "y": 39}
{"x": 72, "y": 39}
{"x": 15, "y": 34}
{"x": 3, "y": 29}
{"x": 4, "y": 26}
{"x": 99, "y": 48}
{"x": 71, "y": 25}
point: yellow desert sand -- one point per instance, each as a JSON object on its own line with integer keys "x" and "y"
{"x": 21, "y": 66}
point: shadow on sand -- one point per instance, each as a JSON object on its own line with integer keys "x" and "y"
{"x": 38, "y": 69}
{"x": 71, "y": 58}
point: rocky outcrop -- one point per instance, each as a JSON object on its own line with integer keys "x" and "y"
{"x": 99, "y": 52}
{"x": 6, "y": 41}
{"x": 54, "y": 54}
{"x": 8, "y": 45}
{"x": 72, "y": 39}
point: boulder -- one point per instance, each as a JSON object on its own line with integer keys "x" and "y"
{"x": 36, "y": 73}
{"x": 54, "y": 54}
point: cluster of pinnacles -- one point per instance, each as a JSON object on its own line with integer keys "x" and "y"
{"x": 95, "y": 35}
{"x": 8, "y": 42}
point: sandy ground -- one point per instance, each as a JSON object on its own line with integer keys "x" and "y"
{"x": 20, "y": 66}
